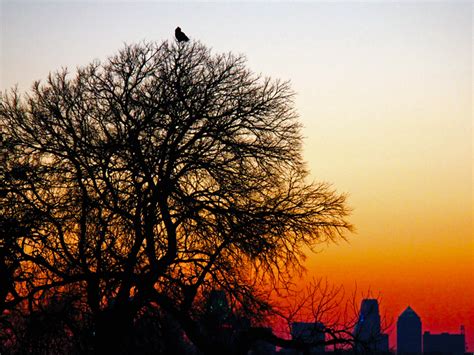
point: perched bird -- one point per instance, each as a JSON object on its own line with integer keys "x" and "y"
{"x": 180, "y": 36}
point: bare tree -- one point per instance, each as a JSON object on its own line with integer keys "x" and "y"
{"x": 323, "y": 304}
{"x": 154, "y": 177}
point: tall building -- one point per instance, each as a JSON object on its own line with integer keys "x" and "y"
{"x": 444, "y": 343}
{"x": 217, "y": 307}
{"x": 311, "y": 333}
{"x": 367, "y": 332}
{"x": 409, "y": 332}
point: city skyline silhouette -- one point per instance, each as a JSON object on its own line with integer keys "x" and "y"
{"x": 369, "y": 104}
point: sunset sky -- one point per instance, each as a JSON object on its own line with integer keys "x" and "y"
{"x": 384, "y": 93}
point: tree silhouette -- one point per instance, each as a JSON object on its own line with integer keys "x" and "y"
{"x": 154, "y": 178}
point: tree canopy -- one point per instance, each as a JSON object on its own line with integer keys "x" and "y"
{"x": 152, "y": 179}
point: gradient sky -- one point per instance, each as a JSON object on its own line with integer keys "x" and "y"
{"x": 385, "y": 97}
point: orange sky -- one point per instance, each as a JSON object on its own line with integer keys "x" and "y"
{"x": 384, "y": 91}
{"x": 436, "y": 285}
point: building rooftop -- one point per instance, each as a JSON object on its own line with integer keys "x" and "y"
{"x": 409, "y": 312}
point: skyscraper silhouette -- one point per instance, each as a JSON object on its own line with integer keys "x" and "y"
{"x": 218, "y": 310}
{"x": 409, "y": 332}
{"x": 368, "y": 331}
